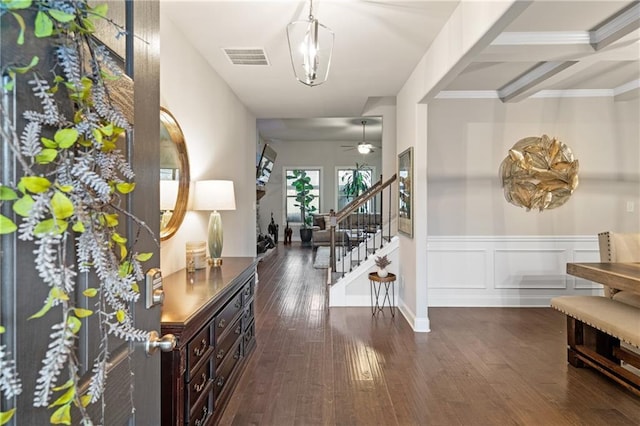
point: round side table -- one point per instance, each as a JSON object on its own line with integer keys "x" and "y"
{"x": 376, "y": 289}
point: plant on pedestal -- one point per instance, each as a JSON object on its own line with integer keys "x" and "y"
{"x": 382, "y": 262}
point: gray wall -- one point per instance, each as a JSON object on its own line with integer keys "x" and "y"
{"x": 468, "y": 139}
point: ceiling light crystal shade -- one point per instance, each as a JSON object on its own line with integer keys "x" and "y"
{"x": 310, "y": 48}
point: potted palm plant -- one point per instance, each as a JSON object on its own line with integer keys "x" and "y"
{"x": 302, "y": 184}
{"x": 356, "y": 183}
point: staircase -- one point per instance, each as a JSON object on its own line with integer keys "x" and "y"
{"x": 360, "y": 232}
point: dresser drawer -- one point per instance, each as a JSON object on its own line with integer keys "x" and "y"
{"x": 198, "y": 349}
{"x": 225, "y": 318}
{"x": 249, "y": 338}
{"x": 225, "y": 345}
{"x": 201, "y": 414}
{"x": 247, "y": 316}
{"x": 200, "y": 383}
{"x": 248, "y": 289}
{"x": 226, "y": 368}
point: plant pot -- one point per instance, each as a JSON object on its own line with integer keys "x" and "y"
{"x": 382, "y": 272}
{"x": 305, "y": 235}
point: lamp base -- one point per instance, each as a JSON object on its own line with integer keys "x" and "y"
{"x": 217, "y": 261}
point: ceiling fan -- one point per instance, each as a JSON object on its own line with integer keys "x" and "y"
{"x": 363, "y": 147}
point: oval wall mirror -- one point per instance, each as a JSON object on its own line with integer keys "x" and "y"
{"x": 174, "y": 175}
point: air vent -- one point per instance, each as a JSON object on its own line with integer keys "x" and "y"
{"x": 244, "y": 56}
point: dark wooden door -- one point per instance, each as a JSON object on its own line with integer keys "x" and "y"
{"x": 133, "y": 377}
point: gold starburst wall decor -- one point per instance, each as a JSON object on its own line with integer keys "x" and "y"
{"x": 539, "y": 173}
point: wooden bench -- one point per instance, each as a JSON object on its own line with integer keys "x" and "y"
{"x": 595, "y": 327}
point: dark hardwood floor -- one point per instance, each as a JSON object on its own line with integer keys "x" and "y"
{"x": 341, "y": 366}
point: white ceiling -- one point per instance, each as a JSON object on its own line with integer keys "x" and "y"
{"x": 377, "y": 45}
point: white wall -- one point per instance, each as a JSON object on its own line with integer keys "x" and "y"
{"x": 323, "y": 154}
{"x": 468, "y": 139}
{"x": 471, "y": 27}
{"x": 220, "y": 134}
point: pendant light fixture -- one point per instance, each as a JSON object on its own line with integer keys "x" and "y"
{"x": 310, "y": 48}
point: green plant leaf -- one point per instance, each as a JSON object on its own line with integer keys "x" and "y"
{"x": 125, "y": 187}
{"x": 47, "y": 305}
{"x": 65, "y": 385}
{"x": 65, "y": 188}
{"x": 82, "y": 313}
{"x": 111, "y": 220}
{"x": 17, "y": 4}
{"x": 78, "y": 227}
{"x": 44, "y": 25}
{"x": 85, "y": 400}
{"x": 65, "y": 398}
{"x": 60, "y": 16}
{"x": 143, "y": 257}
{"x": 23, "y": 70}
{"x": 6, "y": 225}
{"x": 118, "y": 238}
{"x": 22, "y": 26}
{"x": 23, "y": 206}
{"x": 2, "y": 329}
{"x": 123, "y": 251}
{"x": 46, "y": 156}
{"x": 66, "y": 137}
{"x": 90, "y": 292}
{"x": 62, "y": 416}
{"x": 135, "y": 287}
{"x": 125, "y": 269}
{"x": 58, "y": 293}
{"x": 55, "y": 226}
{"x": 5, "y": 416}
{"x": 121, "y": 316}
{"x": 74, "y": 324}
{"x": 48, "y": 143}
{"x": 101, "y": 10}
{"x": 35, "y": 184}
{"x": 7, "y": 194}
{"x": 61, "y": 205}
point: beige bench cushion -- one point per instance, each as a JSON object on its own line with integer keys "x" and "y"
{"x": 620, "y": 320}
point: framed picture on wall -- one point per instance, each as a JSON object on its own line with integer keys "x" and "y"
{"x": 405, "y": 192}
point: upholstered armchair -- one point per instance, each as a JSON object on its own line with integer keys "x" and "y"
{"x": 617, "y": 247}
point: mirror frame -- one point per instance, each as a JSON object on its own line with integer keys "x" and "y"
{"x": 175, "y": 132}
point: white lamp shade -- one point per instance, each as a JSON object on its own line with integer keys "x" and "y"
{"x": 214, "y": 195}
{"x": 168, "y": 194}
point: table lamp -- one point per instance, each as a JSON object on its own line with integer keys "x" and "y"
{"x": 214, "y": 195}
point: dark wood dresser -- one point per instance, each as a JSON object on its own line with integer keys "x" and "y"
{"x": 210, "y": 312}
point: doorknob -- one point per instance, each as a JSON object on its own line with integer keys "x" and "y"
{"x": 165, "y": 343}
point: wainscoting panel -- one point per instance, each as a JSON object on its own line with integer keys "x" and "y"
{"x": 450, "y": 275}
{"x": 506, "y": 271}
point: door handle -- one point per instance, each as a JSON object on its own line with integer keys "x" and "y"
{"x": 165, "y": 343}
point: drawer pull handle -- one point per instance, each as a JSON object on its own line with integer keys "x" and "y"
{"x": 220, "y": 381}
{"x": 238, "y": 329}
{"x": 247, "y": 291}
{"x": 220, "y": 354}
{"x": 237, "y": 304}
{"x": 200, "y": 421}
{"x": 236, "y": 355}
{"x": 222, "y": 323}
{"x": 200, "y": 350}
{"x": 201, "y": 386}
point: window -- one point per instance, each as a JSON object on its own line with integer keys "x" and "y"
{"x": 347, "y": 188}
{"x": 291, "y": 210}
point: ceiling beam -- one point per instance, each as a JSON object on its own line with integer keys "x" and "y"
{"x": 616, "y": 27}
{"x": 536, "y": 75}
